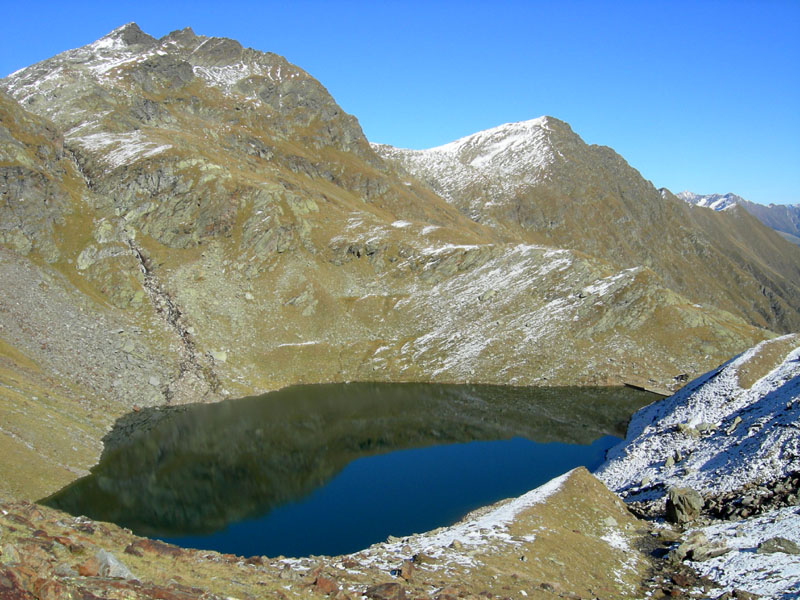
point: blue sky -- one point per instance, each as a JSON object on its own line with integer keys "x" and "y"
{"x": 698, "y": 95}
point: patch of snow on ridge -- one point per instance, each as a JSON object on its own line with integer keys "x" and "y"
{"x": 121, "y": 148}
{"x": 763, "y": 444}
{"x": 498, "y": 275}
{"x": 603, "y": 286}
{"x": 501, "y": 148}
{"x": 226, "y": 76}
{"x": 476, "y": 530}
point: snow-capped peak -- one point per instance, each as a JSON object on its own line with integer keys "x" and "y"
{"x": 514, "y": 153}
{"x": 712, "y": 201}
{"x": 489, "y": 143}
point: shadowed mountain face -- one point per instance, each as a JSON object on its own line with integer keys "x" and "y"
{"x": 196, "y": 468}
{"x": 187, "y": 220}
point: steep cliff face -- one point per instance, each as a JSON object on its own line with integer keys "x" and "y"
{"x": 185, "y": 220}
{"x": 539, "y": 181}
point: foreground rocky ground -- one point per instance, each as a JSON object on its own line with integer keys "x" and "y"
{"x": 731, "y": 535}
{"x": 571, "y": 538}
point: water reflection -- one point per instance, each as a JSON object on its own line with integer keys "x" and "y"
{"x": 194, "y": 469}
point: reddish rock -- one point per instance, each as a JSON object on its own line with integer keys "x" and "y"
{"x": 89, "y": 568}
{"x": 26, "y": 574}
{"x": 386, "y": 591}
{"x": 133, "y": 550}
{"x": 349, "y": 563}
{"x": 85, "y": 528}
{"x": 407, "y": 570}
{"x": 325, "y": 585}
{"x": 14, "y": 518}
{"x": 140, "y": 547}
{"x": 12, "y": 586}
{"x": 681, "y": 580}
{"x": 49, "y": 589}
{"x": 68, "y": 543}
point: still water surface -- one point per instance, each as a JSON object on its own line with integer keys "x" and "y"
{"x": 329, "y": 469}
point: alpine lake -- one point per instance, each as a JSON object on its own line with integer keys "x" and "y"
{"x": 334, "y": 468}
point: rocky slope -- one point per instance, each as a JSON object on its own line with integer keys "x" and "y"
{"x": 732, "y": 437}
{"x": 538, "y": 181}
{"x": 184, "y": 219}
{"x": 783, "y": 218}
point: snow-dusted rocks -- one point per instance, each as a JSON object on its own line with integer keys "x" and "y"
{"x": 730, "y": 429}
{"x": 768, "y": 574}
{"x": 726, "y": 432}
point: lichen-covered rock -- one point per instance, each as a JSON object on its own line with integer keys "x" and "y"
{"x": 778, "y": 544}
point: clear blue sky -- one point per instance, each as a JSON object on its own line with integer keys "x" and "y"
{"x": 699, "y": 95}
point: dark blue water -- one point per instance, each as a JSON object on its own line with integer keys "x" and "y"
{"x": 330, "y": 469}
{"x": 404, "y": 492}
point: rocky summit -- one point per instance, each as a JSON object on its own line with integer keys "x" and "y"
{"x": 186, "y": 220}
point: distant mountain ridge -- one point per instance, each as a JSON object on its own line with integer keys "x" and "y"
{"x": 783, "y": 218}
{"x": 538, "y": 180}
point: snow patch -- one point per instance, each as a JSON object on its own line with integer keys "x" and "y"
{"x": 482, "y": 528}
{"x": 119, "y": 149}
{"x": 775, "y": 575}
{"x": 602, "y": 287}
{"x": 497, "y": 160}
{"x": 295, "y": 344}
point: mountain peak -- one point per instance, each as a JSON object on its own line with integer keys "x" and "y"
{"x": 712, "y": 201}
{"x": 129, "y": 34}
{"x": 783, "y": 218}
{"x": 507, "y": 148}
{"x": 506, "y": 130}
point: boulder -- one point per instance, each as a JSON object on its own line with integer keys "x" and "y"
{"x": 778, "y": 544}
{"x": 110, "y": 566}
{"x": 683, "y": 505}
{"x": 386, "y": 591}
{"x": 325, "y": 585}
